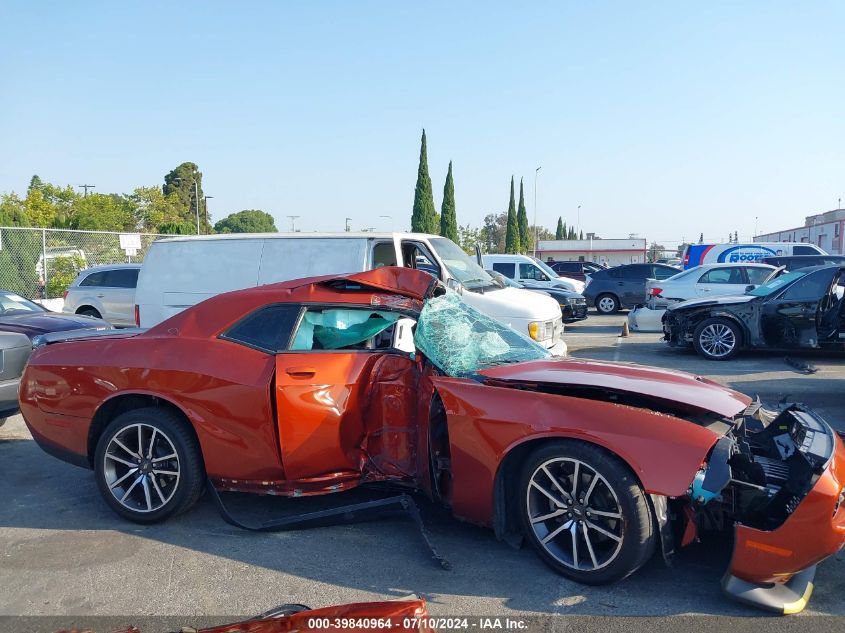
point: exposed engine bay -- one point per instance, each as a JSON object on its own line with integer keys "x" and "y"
{"x": 762, "y": 468}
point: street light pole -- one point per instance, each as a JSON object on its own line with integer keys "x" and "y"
{"x": 387, "y": 217}
{"x": 205, "y": 200}
{"x": 347, "y": 224}
{"x": 293, "y": 219}
{"x": 86, "y": 188}
{"x": 579, "y": 222}
{"x": 536, "y": 230}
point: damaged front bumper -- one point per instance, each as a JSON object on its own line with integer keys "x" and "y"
{"x": 782, "y": 482}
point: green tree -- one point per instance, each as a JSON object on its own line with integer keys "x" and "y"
{"x": 512, "y": 244}
{"x": 247, "y": 221}
{"x": 561, "y": 229}
{"x": 493, "y": 232}
{"x": 423, "y": 217}
{"x": 448, "y": 215}
{"x": 525, "y": 240}
{"x": 581, "y": 237}
{"x": 181, "y": 183}
{"x": 61, "y": 273}
{"x": 468, "y": 237}
{"x": 151, "y": 208}
{"x": 103, "y": 212}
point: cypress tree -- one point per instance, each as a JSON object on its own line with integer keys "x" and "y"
{"x": 559, "y": 233}
{"x": 512, "y": 244}
{"x": 448, "y": 216}
{"x": 423, "y": 216}
{"x": 522, "y": 221}
{"x": 582, "y": 236}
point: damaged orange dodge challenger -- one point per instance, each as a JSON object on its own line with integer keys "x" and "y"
{"x": 319, "y": 385}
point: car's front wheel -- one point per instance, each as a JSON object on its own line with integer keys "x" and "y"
{"x": 585, "y": 513}
{"x": 717, "y": 339}
{"x": 607, "y": 304}
{"x": 148, "y": 465}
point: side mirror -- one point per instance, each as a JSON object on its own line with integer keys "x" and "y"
{"x": 455, "y": 285}
{"x": 750, "y": 287}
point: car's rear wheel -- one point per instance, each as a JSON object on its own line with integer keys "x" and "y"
{"x": 148, "y": 465}
{"x": 585, "y": 513}
{"x": 607, "y": 304}
{"x": 91, "y": 312}
{"x": 717, "y": 339}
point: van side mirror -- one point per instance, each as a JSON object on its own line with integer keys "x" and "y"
{"x": 455, "y": 285}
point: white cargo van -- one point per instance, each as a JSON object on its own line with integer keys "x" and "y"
{"x": 748, "y": 253}
{"x": 530, "y": 272}
{"x": 180, "y": 272}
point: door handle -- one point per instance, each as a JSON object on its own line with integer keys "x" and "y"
{"x": 620, "y": 283}
{"x": 100, "y": 296}
{"x": 300, "y": 372}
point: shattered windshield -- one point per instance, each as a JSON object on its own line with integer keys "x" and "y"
{"x": 764, "y": 290}
{"x": 461, "y": 341}
{"x": 460, "y": 266}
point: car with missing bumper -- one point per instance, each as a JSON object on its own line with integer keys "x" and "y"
{"x": 324, "y": 384}
{"x": 802, "y": 309}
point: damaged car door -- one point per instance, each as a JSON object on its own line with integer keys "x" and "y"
{"x": 341, "y": 395}
{"x": 792, "y": 316}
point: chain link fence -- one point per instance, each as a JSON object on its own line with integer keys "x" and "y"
{"x": 42, "y": 263}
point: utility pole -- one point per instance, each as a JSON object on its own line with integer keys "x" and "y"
{"x": 205, "y": 200}
{"x": 579, "y": 221}
{"x": 536, "y": 230}
{"x": 86, "y": 187}
{"x": 293, "y": 219}
{"x": 348, "y": 220}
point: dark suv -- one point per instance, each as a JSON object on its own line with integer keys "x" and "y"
{"x": 623, "y": 286}
{"x": 574, "y": 270}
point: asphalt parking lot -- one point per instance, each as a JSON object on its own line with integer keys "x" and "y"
{"x": 64, "y": 553}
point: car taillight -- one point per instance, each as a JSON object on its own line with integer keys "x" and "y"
{"x": 137, "y": 315}
{"x": 655, "y": 292}
{"x": 686, "y": 260}
{"x": 64, "y": 295}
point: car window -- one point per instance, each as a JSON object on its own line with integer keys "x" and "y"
{"x": 10, "y": 302}
{"x": 122, "y": 278}
{"x": 757, "y": 275}
{"x": 810, "y": 287}
{"x": 664, "y": 272}
{"x": 732, "y": 275}
{"x": 530, "y": 271}
{"x": 636, "y": 271}
{"x": 506, "y": 269}
{"x": 344, "y": 328}
{"x": 804, "y": 250}
{"x": 94, "y": 279}
{"x": 268, "y": 329}
{"x": 570, "y": 267}
{"x": 616, "y": 273}
{"x": 384, "y": 254}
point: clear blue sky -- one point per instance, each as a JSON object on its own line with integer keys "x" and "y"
{"x": 660, "y": 118}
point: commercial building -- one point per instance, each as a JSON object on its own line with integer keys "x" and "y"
{"x": 822, "y": 229}
{"x": 611, "y": 252}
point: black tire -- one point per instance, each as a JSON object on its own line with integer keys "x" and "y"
{"x": 607, "y": 303}
{"x": 601, "y": 559}
{"x": 168, "y": 432}
{"x": 717, "y": 338}
{"x": 91, "y": 312}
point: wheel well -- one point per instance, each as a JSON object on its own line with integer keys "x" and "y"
{"x": 505, "y": 519}
{"x": 121, "y": 404}
{"x": 86, "y": 307}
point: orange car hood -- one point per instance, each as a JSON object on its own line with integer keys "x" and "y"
{"x": 664, "y": 384}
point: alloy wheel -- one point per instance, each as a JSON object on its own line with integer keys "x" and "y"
{"x": 575, "y": 514}
{"x": 717, "y": 340}
{"x": 141, "y": 468}
{"x": 607, "y": 304}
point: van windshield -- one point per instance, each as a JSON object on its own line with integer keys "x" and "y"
{"x": 460, "y": 265}
{"x": 544, "y": 267}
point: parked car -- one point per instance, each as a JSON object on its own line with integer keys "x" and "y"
{"x": 574, "y": 270}
{"x": 180, "y": 272}
{"x": 26, "y": 317}
{"x": 709, "y": 280}
{"x": 748, "y": 253}
{"x": 797, "y": 262}
{"x": 800, "y": 309}
{"x": 573, "y": 306}
{"x": 14, "y": 352}
{"x": 302, "y": 388}
{"x": 623, "y": 286}
{"x": 105, "y": 292}
{"x": 530, "y": 272}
